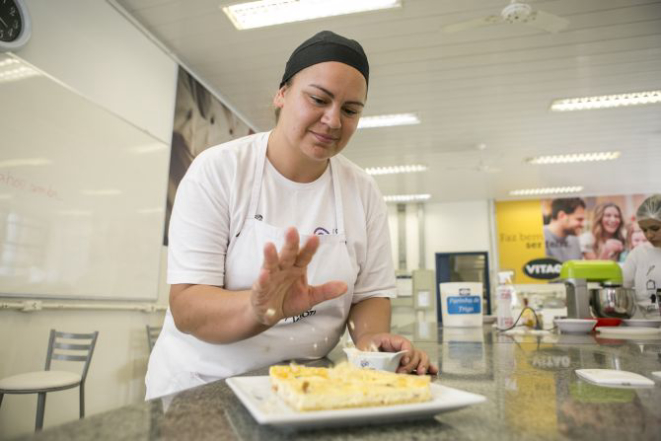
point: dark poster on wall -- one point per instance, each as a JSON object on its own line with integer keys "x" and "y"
{"x": 200, "y": 121}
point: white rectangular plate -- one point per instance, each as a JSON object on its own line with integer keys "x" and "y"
{"x": 629, "y": 332}
{"x": 266, "y": 407}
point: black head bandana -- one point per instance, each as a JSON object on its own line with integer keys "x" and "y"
{"x": 327, "y": 46}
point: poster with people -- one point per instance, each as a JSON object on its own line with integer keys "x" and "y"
{"x": 536, "y": 236}
{"x": 200, "y": 121}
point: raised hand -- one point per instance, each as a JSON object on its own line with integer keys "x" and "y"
{"x": 281, "y": 289}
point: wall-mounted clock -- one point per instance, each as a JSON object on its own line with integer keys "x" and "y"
{"x": 15, "y": 27}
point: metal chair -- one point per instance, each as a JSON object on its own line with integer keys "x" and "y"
{"x": 152, "y": 335}
{"x": 42, "y": 382}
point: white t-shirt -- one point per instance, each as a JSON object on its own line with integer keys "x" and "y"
{"x": 211, "y": 206}
{"x": 310, "y": 206}
{"x": 642, "y": 271}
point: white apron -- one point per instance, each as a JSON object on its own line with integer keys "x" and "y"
{"x": 180, "y": 361}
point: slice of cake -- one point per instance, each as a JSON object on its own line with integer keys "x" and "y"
{"x": 313, "y": 388}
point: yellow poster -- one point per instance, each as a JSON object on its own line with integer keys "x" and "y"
{"x": 520, "y": 236}
{"x": 535, "y": 237}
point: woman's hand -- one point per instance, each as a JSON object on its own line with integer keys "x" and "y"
{"x": 281, "y": 289}
{"x": 414, "y": 359}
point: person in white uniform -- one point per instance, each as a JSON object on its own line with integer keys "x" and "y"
{"x": 278, "y": 243}
{"x": 642, "y": 269}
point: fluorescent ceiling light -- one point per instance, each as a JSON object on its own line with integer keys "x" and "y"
{"x": 21, "y": 162}
{"x": 397, "y": 119}
{"x": 574, "y": 157}
{"x": 106, "y": 192}
{"x": 606, "y": 101}
{"x": 414, "y": 168}
{"x": 406, "y": 198}
{"x": 263, "y": 13}
{"x": 548, "y": 190}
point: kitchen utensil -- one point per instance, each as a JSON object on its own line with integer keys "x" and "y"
{"x": 613, "y": 302}
{"x": 382, "y": 361}
{"x": 630, "y": 332}
{"x": 604, "y": 321}
{"x": 575, "y": 326}
{"x": 577, "y": 273}
{"x": 257, "y": 396}
{"x": 645, "y": 323}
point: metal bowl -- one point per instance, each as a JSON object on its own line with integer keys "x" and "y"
{"x": 613, "y": 302}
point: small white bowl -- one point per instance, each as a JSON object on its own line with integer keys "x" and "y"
{"x": 575, "y": 326}
{"x": 382, "y": 361}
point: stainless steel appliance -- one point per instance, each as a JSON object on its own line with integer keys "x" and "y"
{"x": 610, "y": 299}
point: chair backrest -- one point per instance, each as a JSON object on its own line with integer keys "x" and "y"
{"x": 75, "y": 351}
{"x": 152, "y": 334}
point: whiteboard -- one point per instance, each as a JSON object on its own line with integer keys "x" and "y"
{"x": 82, "y": 194}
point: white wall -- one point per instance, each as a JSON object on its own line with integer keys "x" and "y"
{"x": 94, "y": 51}
{"x": 449, "y": 227}
{"x": 90, "y": 47}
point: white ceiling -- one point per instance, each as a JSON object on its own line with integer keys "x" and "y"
{"x": 488, "y": 86}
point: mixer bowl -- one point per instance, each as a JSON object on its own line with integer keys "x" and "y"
{"x": 613, "y": 302}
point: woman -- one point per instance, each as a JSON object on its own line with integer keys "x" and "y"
{"x": 606, "y": 240}
{"x": 635, "y": 237}
{"x": 247, "y": 289}
{"x": 642, "y": 269}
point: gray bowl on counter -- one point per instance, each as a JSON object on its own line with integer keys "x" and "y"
{"x": 613, "y": 302}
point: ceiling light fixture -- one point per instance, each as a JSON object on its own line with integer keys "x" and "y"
{"x": 396, "y": 119}
{"x": 414, "y": 168}
{"x": 407, "y": 198}
{"x": 548, "y": 190}
{"x": 263, "y": 13}
{"x": 574, "y": 157}
{"x": 606, "y": 101}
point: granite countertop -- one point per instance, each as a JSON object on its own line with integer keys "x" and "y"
{"x": 529, "y": 381}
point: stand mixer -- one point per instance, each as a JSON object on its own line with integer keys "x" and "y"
{"x": 610, "y": 300}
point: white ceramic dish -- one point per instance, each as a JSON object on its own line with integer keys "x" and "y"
{"x": 629, "y": 332}
{"x": 381, "y": 361}
{"x": 256, "y": 395}
{"x": 644, "y": 323}
{"x": 613, "y": 378}
{"x": 575, "y": 326}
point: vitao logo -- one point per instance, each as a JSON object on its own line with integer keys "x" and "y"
{"x": 543, "y": 269}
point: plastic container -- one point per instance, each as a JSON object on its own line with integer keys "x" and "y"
{"x": 607, "y": 322}
{"x": 504, "y": 295}
{"x": 461, "y": 304}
